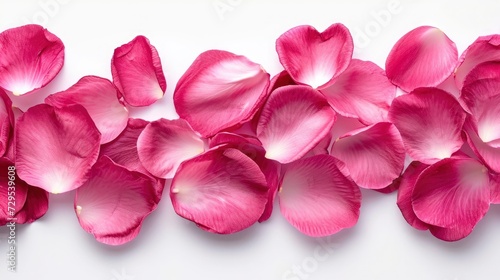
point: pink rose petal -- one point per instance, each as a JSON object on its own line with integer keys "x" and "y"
{"x": 6, "y": 121}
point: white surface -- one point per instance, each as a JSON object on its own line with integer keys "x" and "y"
{"x": 381, "y": 246}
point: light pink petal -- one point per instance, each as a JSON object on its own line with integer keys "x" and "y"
{"x": 223, "y": 191}
{"x": 430, "y": 121}
{"x": 452, "y": 193}
{"x": 374, "y": 155}
{"x": 405, "y": 193}
{"x": 322, "y": 148}
{"x": 164, "y": 144}
{"x": 485, "y": 48}
{"x": 123, "y": 149}
{"x": 10, "y": 186}
{"x": 35, "y": 207}
{"x": 6, "y": 121}
{"x": 30, "y": 57}
{"x": 56, "y": 147}
{"x": 423, "y": 57}
{"x": 112, "y": 204}
{"x": 489, "y": 153}
{"x": 293, "y": 121}
{"x": 220, "y": 90}
{"x": 316, "y": 198}
{"x": 100, "y": 98}
{"x": 137, "y": 72}
{"x": 362, "y": 91}
{"x": 314, "y": 58}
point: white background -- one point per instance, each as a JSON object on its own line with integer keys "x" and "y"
{"x": 381, "y": 246}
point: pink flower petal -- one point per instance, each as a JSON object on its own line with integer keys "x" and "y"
{"x": 112, "y": 204}
{"x": 495, "y": 188}
{"x": 30, "y": 58}
{"x": 164, "y": 144}
{"x": 137, "y": 72}
{"x": 451, "y": 234}
{"x": 35, "y": 207}
{"x": 6, "y": 121}
{"x": 100, "y": 98}
{"x": 405, "y": 193}
{"x": 222, "y": 190}
{"x": 485, "y": 48}
{"x": 430, "y": 121}
{"x": 220, "y": 90}
{"x": 322, "y": 148}
{"x": 316, "y": 198}
{"x": 452, "y": 193}
{"x": 484, "y": 73}
{"x": 374, "y": 155}
{"x": 423, "y": 57}
{"x": 293, "y": 121}
{"x": 56, "y": 147}
{"x": 489, "y": 153}
{"x": 362, "y": 91}
{"x": 314, "y": 58}
{"x": 15, "y": 188}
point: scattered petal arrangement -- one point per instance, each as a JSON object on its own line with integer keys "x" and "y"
{"x": 310, "y": 137}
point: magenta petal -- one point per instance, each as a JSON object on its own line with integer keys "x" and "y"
{"x": 485, "y": 48}
{"x": 6, "y": 121}
{"x": 451, "y": 234}
{"x": 10, "y": 188}
{"x": 137, "y": 72}
{"x": 164, "y": 144}
{"x": 488, "y": 153}
{"x": 220, "y": 90}
{"x": 430, "y": 121}
{"x": 222, "y": 190}
{"x": 293, "y": 121}
{"x": 314, "y": 58}
{"x": 423, "y": 57}
{"x": 452, "y": 193}
{"x": 495, "y": 188}
{"x": 362, "y": 91}
{"x": 35, "y": 207}
{"x": 405, "y": 193}
{"x": 374, "y": 155}
{"x": 56, "y": 147}
{"x": 316, "y": 198}
{"x": 30, "y": 57}
{"x": 113, "y": 203}
{"x": 100, "y": 98}
{"x": 487, "y": 74}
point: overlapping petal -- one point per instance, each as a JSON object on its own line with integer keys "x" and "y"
{"x": 423, "y": 57}
{"x": 316, "y": 197}
{"x": 35, "y": 207}
{"x": 222, "y": 191}
{"x": 56, "y": 147}
{"x": 220, "y": 90}
{"x": 10, "y": 186}
{"x": 293, "y": 121}
{"x": 100, "y": 98}
{"x": 314, "y": 58}
{"x": 30, "y": 58}
{"x": 362, "y": 91}
{"x": 137, "y": 72}
{"x": 114, "y": 201}
{"x": 489, "y": 153}
{"x": 6, "y": 121}
{"x": 430, "y": 121}
{"x": 485, "y": 48}
{"x": 374, "y": 155}
{"x": 164, "y": 144}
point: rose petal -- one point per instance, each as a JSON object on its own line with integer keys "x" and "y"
{"x": 362, "y": 91}
{"x": 220, "y": 90}
{"x": 488, "y": 73}
{"x": 452, "y": 193}
{"x": 6, "y": 121}
{"x": 405, "y": 193}
{"x": 485, "y": 48}
{"x": 374, "y": 155}
{"x": 293, "y": 121}
{"x": 222, "y": 190}
{"x": 30, "y": 58}
{"x": 137, "y": 72}
{"x": 164, "y": 144}
{"x": 495, "y": 188}
{"x": 423, "y": 57}
{"x": 100, "y": 98}
{"x": 316, "y": 198}
{"x": 451, "y": 234}
{"x": 430, "y": 121}
{"x": 113, "y": 203}
{"x": 314, "y": 58}
{"x": 35, "y": 207}
{"x": 487, "y": 153}
{"x": 16, "y": 188}
{"x": 56, "y": 147}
